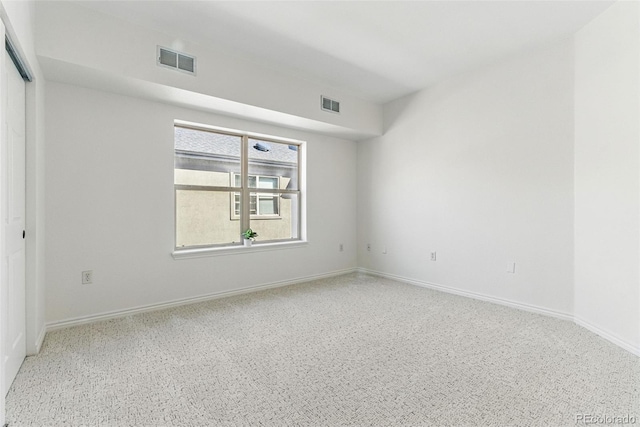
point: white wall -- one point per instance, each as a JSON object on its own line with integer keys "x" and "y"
{"x": 479, "y": 169}
{"x": 110, "y": 207}
{"x": 607, "y": 175}
{"x": 18, "y": 17}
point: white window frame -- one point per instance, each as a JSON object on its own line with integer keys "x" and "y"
{"x": 214, "y": 250}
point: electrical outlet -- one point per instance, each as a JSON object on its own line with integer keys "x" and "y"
{"x": 511, "y": 267}
{"x": 433, "y": 256}
{"x": 369, "y": 247}
{"x": 87, "y": 277}
{"x": 341, "y": 247}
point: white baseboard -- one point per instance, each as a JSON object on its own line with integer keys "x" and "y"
{"x": 33, "y": 348}
{"x": 608, "y": 335}
{"x": 82, "y": 320}
{"x": 527, "y": 307}
{"x": 40, "y": 340}
{"x": 513, "y": 304}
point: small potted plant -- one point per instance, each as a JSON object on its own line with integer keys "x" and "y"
{"x": 249, "y": 236}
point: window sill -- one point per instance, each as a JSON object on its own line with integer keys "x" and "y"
{"x": 256, "y": 247}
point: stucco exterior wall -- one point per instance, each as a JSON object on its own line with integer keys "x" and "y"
{"x": 207, "y": 218}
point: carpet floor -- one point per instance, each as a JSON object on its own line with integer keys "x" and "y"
{"x": 352, "y": 350}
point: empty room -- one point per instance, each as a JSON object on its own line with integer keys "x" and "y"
{"x": 320, "y": 213}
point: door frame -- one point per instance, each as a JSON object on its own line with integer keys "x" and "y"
{"x": 3, "y": 113}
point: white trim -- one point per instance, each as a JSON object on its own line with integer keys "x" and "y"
{"x": 3, "y": 273}
{"x": 39, "y": 341}
{"x": 608, "y": 335}
{"x": 513, "y": 304}
{"x": 234, "y": 250}
{"x": 82, "y": 320}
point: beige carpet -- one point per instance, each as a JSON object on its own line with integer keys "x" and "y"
{"x": 353, "y": 350}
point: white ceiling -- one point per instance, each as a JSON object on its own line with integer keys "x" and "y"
{"x": 379, "y": 51}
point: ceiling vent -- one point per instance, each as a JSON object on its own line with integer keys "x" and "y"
{"x": 176, "y": 60}
{"x": 330, "y": 105}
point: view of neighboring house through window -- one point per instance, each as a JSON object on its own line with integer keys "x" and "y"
{"x": 226, "y": 182}
{"x": 262, "y": 205}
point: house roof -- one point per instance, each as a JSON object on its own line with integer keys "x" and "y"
{"x": 213, "y": 144}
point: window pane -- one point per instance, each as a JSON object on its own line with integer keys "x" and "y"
{"x": 253, "y": 205}
{"x": 203, "y": 218}
{"x": 267, "y": 182}
{"x": 283, "y": 226}
{"x": 274, "y": 160}
{"x": 206, "y": 158}
{"x": 236, "y": 204}
{"x": 268, "y": 205}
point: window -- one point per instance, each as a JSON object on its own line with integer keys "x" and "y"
{"x": 261, "y": 206}
{"x": 228, "y": 181}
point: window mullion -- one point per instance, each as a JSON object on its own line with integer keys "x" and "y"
{"x": 245, "y": 205}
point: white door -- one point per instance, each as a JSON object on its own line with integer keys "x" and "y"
{"x": 13, "y": 221}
